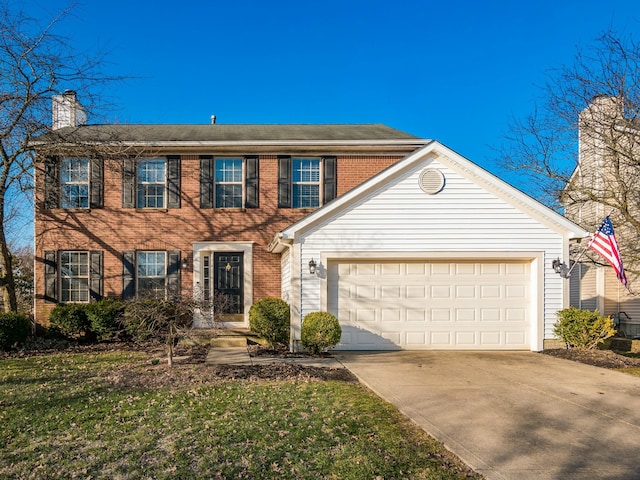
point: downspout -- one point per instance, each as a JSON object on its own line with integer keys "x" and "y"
{"x": 288, "y": 243}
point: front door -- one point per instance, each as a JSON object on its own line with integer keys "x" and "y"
{"x": 228, "y": 281}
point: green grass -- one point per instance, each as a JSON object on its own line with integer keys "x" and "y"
{"x": 61, "y": 418}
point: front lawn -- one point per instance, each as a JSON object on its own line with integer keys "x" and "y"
{"x": 69, "y": 416}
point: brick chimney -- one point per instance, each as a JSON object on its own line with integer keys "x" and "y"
{"x": 67, "y": 111}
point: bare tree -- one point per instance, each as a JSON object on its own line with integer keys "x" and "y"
{"x": 35, "y": 64}
{"x": 581, "y": 145}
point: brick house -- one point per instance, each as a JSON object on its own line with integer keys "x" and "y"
{"x": 408, "y": 243}
{"x": 127, "y": 209}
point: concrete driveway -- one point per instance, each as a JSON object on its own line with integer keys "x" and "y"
{"x": 514, "y": 415}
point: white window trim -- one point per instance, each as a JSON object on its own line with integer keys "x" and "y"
{"x": 320, "y": 181}
{"x": 63, "y": 184}
{"x": 62, "y": 276}
{"x": 137, "y": 265}
{"x": 140, "y": 182}
{"x": 242, "y": 182}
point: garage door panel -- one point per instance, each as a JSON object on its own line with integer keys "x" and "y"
{"x": 440, "y": 304}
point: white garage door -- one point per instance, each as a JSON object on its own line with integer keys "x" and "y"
{"x": 384, "y": 305}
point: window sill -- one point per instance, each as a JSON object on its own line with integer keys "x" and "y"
{"x": 149, "y": 210}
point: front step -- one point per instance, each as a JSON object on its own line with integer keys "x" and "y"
{"x": 224, "y": 337}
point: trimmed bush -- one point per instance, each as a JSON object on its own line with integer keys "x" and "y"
{"x": 105, "y": 318}
{"x": 15, "y": 328}
{"x": 71, "y": 319}
{"x": 320, "y": 331}
{"x": 269, "y": 318}
{"x": 583, "y": 329}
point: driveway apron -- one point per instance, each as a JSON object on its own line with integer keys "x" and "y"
{"x": 514, "y": 415}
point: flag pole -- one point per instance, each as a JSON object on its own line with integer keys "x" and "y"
{"x": 575, "y": 262}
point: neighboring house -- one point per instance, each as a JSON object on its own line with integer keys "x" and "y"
{"x": 605, "y": 181}
{"x": 409, "y": 244}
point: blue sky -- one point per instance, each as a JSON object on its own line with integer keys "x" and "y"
{"x": 452, "y": 71}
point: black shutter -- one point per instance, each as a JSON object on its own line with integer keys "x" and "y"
{"x": 95, "y": 275}
{"x": 128, "y": 274}
{"x": 251, "y": 182}
{"x": 173, "y": 273}
{"x": 173, "y": 182}
{"x": 284, "y": 182}
{"x": 96, "y": 187}
{"x": 51, "y": 183}
{"x": 129, "y": 183}
{"x": 206, "y": 181}
{"x": 330, "y": 178}
{"x": 50, "y": 276}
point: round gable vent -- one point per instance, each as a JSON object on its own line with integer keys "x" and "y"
{"x": 431, "y": 181}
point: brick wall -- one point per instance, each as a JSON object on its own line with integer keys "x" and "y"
{"x": 113, "y": 229}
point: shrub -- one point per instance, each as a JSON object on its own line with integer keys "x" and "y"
{"x": 583, "y": 329}
{"x": 149, "y": 318}
{"x": 269, "y": 318}
{"x": 15, "y": 328}
{"x": 320, "y": 330}
{"x": 70, "y": 319}
{"x": 105, "y": 318}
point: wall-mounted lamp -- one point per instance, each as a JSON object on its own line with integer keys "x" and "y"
{"x": 312, "y": 266}
{"x": 184, "y": 263}
{"x": 560, "y": 268}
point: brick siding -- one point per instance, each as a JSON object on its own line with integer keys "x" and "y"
{"x": 112, "y": 229}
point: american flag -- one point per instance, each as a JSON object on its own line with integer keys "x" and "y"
{"x": 604, "y": 243}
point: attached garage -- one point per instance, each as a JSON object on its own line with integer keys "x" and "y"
{"x": 433, "y": 253}
{"x": 442, "y": 304}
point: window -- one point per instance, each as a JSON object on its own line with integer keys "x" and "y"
{"x": 152, "y": 182}
{"x": 151, "y": 273}
{"x": 74, "y": 183}
{"x": 228, "y": 183}
{"x": 306, "y": 182}
{"x": 74, "y": 276}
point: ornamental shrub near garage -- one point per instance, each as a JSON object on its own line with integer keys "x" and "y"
{"x": 270, "y": 319}
{"x": 583, "y": 329}
{"x": 15, "y": 328}
{"x": 320, "y": 331}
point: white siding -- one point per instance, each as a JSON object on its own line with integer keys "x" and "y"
{"x": 285, "y": 269}
{"x": 463, "y": 217}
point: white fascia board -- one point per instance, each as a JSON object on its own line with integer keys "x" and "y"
{"x": 456, "y": 162}
{"x": 512, "y": 195}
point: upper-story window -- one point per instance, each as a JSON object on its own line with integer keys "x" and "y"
{"x": 74, "y": 183}
{"x": 228, "y": 183}
{"x": 74, "y": 276}
{"x": 306, "y": 182}
{"x": 152, "y": 183}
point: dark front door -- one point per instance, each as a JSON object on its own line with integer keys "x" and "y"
{"x": 228, "y": 281}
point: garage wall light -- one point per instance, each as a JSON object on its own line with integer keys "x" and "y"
{"x": 312, "y": 266}
{"x": 560, "y": 268}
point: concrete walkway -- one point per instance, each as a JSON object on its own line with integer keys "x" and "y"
{"x": 240, "y": 356}
{"x": 514, "y": 415}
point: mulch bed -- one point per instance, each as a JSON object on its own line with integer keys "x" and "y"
{"x": 190, "y": 368}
